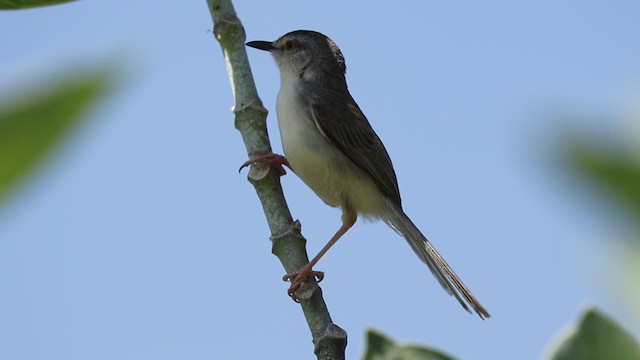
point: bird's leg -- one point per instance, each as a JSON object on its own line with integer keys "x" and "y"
{"x": 275, "y": 161}
{"x": 299, "y": 277}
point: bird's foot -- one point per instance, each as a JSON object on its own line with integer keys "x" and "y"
{"x": 275, "y": 161}
{"x": 300, "y": 278}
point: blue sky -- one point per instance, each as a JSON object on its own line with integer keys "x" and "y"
{"x": 140, "y": 239}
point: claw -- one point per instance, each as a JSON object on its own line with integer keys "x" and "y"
{"x": 246, "y": 163}
{"x": 299, "y": 278}
{"x": 275, "y": 161}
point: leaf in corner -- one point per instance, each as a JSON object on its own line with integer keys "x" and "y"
{"x": 381, "y": 347}
{"x": 597, "y": 337}
{"x": 31, "y": 125}
{"x": 615, "y": 170}
{"x": 27, "y": 4}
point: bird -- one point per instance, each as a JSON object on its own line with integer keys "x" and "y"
{"x": 329, "y": 143}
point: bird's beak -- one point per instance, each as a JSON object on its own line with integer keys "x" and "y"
{"x": 261, "y": 45}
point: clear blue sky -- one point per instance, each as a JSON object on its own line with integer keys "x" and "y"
{"x": 140, "y": 240}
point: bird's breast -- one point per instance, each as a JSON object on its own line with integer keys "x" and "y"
{"x": 320, "y": 164}
{"x": 308, "y": 153}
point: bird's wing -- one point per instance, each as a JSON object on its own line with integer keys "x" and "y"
{"x": 342, "y": 123}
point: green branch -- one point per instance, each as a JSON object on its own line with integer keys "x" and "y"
{"x": 288, "y": 244}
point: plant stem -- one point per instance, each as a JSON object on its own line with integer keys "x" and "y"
{"x": 250, "y": 119}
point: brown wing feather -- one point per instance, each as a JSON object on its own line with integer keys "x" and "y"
{"x": 341, "y": 121}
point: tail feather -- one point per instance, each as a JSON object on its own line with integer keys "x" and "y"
{"x": 445, "y": 275}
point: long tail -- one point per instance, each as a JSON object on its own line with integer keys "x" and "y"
{"x": 445, "y": 275}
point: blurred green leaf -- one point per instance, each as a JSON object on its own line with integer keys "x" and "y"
{"x": 616, "y": 171}
{"x": 27, "y": 4}
{"x": 33, "y": 124}
{"x": 380, "y": 347}
{"x": 596, "y": 338}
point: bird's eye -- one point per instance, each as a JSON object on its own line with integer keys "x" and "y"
{"x": 288, "y": 45}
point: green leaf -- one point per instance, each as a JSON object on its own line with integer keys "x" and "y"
{"x": 597, "y": 337}
{"x": 30, "y": 126}
{"x": 27, "y": 4}
{"x": 381, "y": 347}
{"x": 616, "y": 171}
